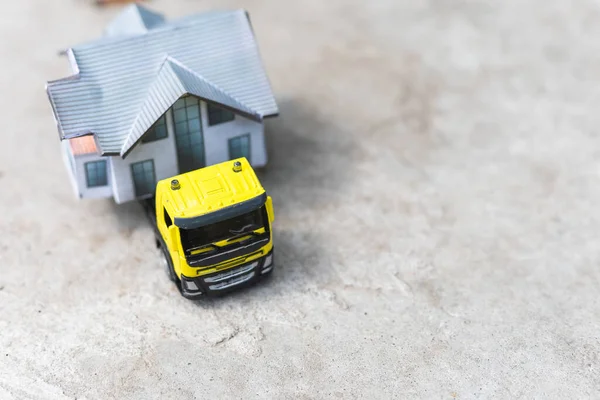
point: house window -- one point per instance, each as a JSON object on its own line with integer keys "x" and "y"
{"x": 157, "y": 132}
{"x": 239, "y": 147}
{"x": 218, "y": 115}
{"x": 95, "y": 173}
{"x": 189, "y": 139}
{"x": 144, "y": 179}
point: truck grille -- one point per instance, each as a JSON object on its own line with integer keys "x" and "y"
{"x": 237, "y": 260}
{"x": 232, "y": 277}
{"x": 226, "y": 254}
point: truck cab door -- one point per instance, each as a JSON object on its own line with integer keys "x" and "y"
{"x": 163, "y": 222}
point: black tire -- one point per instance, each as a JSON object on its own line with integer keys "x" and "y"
{"x": 168, "y": 265}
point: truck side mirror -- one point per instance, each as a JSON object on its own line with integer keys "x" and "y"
{"x": 173, "y": 237}
{"x": 269, "y": 205}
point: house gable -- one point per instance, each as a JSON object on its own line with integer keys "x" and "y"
{"x": 173, "y": 81}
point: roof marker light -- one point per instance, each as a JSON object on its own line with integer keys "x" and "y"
{"x": 237, "y": 166}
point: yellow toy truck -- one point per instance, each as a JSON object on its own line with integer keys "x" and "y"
{"x": 213, "y": 226}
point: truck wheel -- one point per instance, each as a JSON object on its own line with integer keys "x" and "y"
{"x": 168, "y": 266}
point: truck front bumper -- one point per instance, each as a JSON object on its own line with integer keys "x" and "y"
{"x": 227, "y": 280}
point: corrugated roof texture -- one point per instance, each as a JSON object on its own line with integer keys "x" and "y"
{"x": 172, "y": 82}
{"x": 134, "y": 19}
{"x": 121, "y": 80}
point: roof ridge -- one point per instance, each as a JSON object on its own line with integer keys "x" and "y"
{"x": 131, "y": 140}
{"x": 223, "y": 91}
{"x": 126, "y": 145}
{"x": 166, "y": 26}
{"x": 133, "y": 20}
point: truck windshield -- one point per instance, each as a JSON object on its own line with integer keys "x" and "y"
{"x": 192, "y": 239}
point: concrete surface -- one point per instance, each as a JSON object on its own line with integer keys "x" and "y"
{"x": 435, "y": 174}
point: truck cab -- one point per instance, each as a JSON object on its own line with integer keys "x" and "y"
{"x": 214, "y": 228}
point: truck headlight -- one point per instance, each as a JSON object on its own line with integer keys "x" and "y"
{"x": 268, "y": 261}
{"x": 268, "y": 264}
{"x": 190, "y": 285}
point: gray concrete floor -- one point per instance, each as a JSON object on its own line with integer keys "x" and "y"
{"x": 435, "y": 175}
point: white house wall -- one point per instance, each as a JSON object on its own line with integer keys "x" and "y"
{"x": 216, "y": 139}
{"x": 82, "y": 189}
{"x": 70, "y": 165}
{"x": 162, "y": 152}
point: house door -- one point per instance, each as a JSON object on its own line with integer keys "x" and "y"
{"x": 188, "y": 134}
{"x": 144, "y": 178}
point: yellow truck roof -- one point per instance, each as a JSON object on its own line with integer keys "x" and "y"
{"x": 214, "y": 189}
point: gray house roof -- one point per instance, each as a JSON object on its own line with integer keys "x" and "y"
{"x": 134, "y": 19}
{"x": 124, "y": 82}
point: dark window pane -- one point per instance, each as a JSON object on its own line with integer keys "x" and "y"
{"x": 197, "y": 152}
{"x": 144, "y": 180}
{"x": 137, "y": 168}
{"x": 95, "y": 173}
{"x": 181, "y": 128}
{"x": 193, "y": 111}
{"x": 193, "y": 238}
{"x": 183, "y": 142}
{"x": 188, "y": 135}
{"x": 179, "y": 104}
{"x": 161, "y": 131}
{"x": 156, "y": 132}
{"x": 195, "y": 139}
{"x": 180, "y": 115}
{"x": 239, "y": 147}
{"x": 194, "y": 125}
{"x": 191, "y": 101}
{"x": 218, "y": 115}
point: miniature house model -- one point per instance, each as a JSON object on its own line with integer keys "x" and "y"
{"x": 152, "y": 99}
